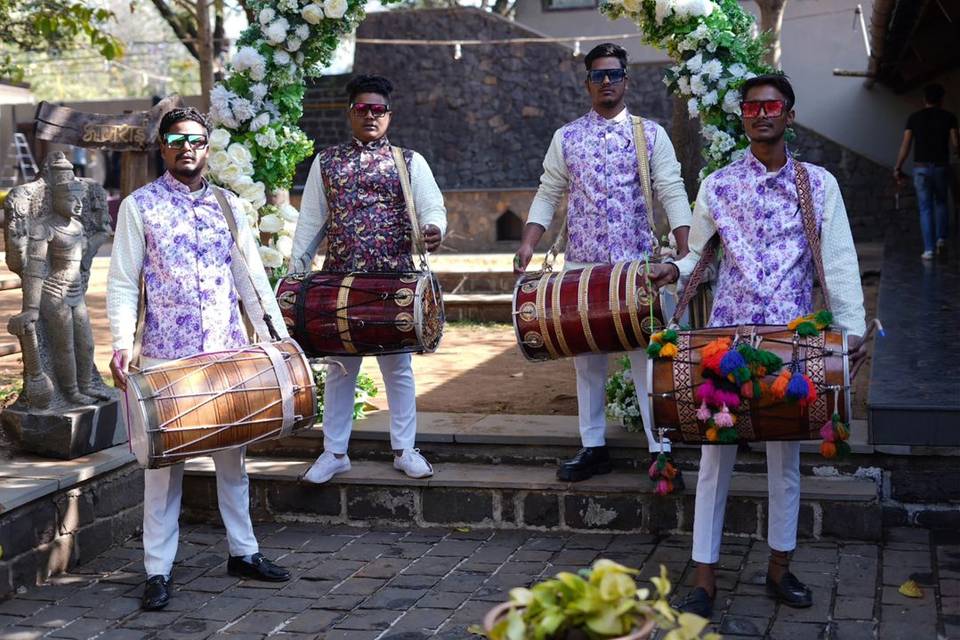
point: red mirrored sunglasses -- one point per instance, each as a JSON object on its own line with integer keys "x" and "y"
{"x": 770, "y": 108}
{"x": 376, "y": 109}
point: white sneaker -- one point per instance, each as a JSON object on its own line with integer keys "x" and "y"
{"x": 941, "y": 245}
{"x": 413, "y": 464}
{"x": 326, "y": 466}
{"x": 926, "y": 255}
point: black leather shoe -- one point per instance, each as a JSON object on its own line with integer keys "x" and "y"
{"x": 697, "y": 602}
{"x": 790, "y": 591}
{"x": 156, "y": 593}
{"x": 588, "y": 462}
{"x": 259, "y": 568}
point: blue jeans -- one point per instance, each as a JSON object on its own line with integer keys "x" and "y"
{"x": 931, "y": 186}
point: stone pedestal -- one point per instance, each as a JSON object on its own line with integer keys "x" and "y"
{"x": 66, "y": 434}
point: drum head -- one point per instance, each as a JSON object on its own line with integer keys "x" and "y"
{"x": 430, "y": 309}
{"x": 133, "y": 413}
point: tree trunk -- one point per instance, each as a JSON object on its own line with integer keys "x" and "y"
{"x": 685, "y": 135}
{"x": 771, "y": 21}
{"x": 205, "y": 49}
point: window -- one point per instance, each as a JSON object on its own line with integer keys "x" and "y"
{"x": 509, "y": 227}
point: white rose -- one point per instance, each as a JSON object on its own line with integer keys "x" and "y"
{"x": 335, "y": 9}
{"x": 218, "y": 161}
{"x": 271, "y": 223}
{"x": 285, "y": 246}
{"x": 697, "y": 86}
{"x": 270, "y": 257}
{"x": 266, "y": 15}
{"x": 239, "y": 153}
{"x": 252, "y": 191}
{"x": 293, "y": 44}
{"x": 241, "y": 183}
{"x": 260, "y": 122}
{"x": 276, "y": 32}
{"x": 695, "y": 63}
{"x": 303, "y": 31}
{"x": 312, "y": 13}
{"x": 219, "y": 139}
{"x": 230, "y": 174}
{"x": 289, "y": 213}
{"x": 281, "y": 58}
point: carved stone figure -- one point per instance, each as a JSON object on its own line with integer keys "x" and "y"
{"x": 54, "y": 226}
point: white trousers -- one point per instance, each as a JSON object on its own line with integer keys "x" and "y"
{"x": 397, "y": 370}
{"x": 713, "y": 485}
{"x": 162, "y": 491}
{"x": 592, "y": 397}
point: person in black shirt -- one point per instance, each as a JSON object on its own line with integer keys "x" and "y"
{"x": 930, "y": 130}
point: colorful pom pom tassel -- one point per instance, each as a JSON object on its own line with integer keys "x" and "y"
{"x": 712, "y": 354}
{"x": 797, "y": 388}
{"x": 668, "y": 350}
{"x": 779, "y": 387}
{"x": 703, "y": 413}
{"x": 729, "y": 436}
{"x": 712, "y": 435}
{"x": 723, "y": 418}
{"x": 828, "y": 450}
{"x": 653, "y": 349}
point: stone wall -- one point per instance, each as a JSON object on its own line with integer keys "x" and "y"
{"x": 484, "y": 122}
{"x": 54, "y": 533}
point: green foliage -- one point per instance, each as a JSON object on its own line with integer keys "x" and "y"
{"x": 622, "y": 397}
{"x": 52, "y": 26}
{"x": 366, "y": 389}
{"x": 603, "y": 602}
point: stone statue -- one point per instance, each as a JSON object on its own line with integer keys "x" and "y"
{"x": 54, "y": 227}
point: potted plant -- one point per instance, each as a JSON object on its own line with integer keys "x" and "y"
{"x": 602, "y": 602}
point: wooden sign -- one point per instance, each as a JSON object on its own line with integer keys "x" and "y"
{"x": 136, "y": 131}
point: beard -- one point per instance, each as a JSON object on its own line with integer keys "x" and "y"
{"x": 189, "y": 174}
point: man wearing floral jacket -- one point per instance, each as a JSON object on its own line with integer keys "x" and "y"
{"x": 765, "y": 277}
{"x": 594, "y": 160}
{"x": 353, "y": 197}
{"x": 172, "y": 236}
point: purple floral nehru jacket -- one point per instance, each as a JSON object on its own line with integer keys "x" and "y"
{"x": 191, "y": 303}
{"x": 766, "y": 275}
{"x": 606, "y": 213}
{"x": 369, "y": 227}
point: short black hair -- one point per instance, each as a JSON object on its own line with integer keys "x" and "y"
{"x": 180, "y": 114}
{"x": 606, "y": 50}
{"x": 933, "y": 93}
{"x": 778, "y": 81}
{"x": 369, "y": 84}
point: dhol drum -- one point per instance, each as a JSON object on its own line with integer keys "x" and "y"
{"x": 214, "y": 401}
{"x": 673, "y": 385}
{"x": 357, "y": 314}
{"x": 597, "y": 309}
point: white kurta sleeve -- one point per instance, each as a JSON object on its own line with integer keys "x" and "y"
{"x": 840, "y": 265}
{"x": 123, "y": 280}
{"x": 702, "y": 228}
{"x": 427, "y": 195}
{"x": 251, "y": 253}
{"x": 668, "y": 181}
{"x": 313, "y": 213}
{"x": 554, "y": 183}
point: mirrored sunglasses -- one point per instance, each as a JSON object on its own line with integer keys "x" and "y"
{"x": 770, "y": 108}
{"x": 376, "y": 109}
{"x": 616, "y": 76}
{"x": 179, "y": 140}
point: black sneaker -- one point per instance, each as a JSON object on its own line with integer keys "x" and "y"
{"x": 588, "y": 462}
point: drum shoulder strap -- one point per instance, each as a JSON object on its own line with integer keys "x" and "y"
{"x": 407, "y": 188}
{"x": 260, "y": 320}
{"x": 643, "y": 170}
{"x": 804, "y": 194}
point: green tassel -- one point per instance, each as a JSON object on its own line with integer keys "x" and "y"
{"x": 670, "y": 335}
{"x": 653, "y": 349}
{"x": 728, "y": 435}
{"x": 807, "y": 329}
{"x": 823, "y": 319}
{"x": 843, "y": 449}
{"x": 757, "y": 390}
{"x": 661, "y": 462}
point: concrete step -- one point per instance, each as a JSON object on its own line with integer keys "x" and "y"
{"x": 523, "y": 439}
{"x": 526, "y": 496}
{"x": 465, "y": 282}
{"x": 479, "y": 307}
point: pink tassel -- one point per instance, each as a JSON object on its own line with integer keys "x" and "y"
{"x": 653, "y": 472}
{"x": 663, "y": 487}
{"x": 728, "y": 398}
{"x": 705, "y": 391}
{"x": 703, "y": 413}
{"x": 723, "y": 418}
{"x": 826, "y": 431}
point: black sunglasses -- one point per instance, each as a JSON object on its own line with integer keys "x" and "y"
{"x": 616, "y": 76}
{"x": 179, "y": 140}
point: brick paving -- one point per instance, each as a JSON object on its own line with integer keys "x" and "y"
{"x": 360, "y": 584}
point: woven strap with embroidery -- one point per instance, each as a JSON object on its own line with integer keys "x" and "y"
{"x": 804, "y": 194}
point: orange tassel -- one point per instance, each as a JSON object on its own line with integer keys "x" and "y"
{"x": 828, "y": 449}
{"x": 779, "y": 387}
{"x": 712, "y": 434}
{"x": 669, "y": 350}
{"x": 713, "y": 352}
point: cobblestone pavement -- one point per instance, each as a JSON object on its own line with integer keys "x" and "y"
{"x": 359, "y": 584}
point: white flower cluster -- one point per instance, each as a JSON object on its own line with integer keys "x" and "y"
{"x": 683, "y": 9}
{"x": 232, "y": 166}
{"x": 281, "y": 221}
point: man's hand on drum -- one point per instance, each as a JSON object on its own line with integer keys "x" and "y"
{"x": 662, "y": 274}
{"x": 431, "y": 237}
{"x": 857, "y": 348}
{"x": 119, "y": 366}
